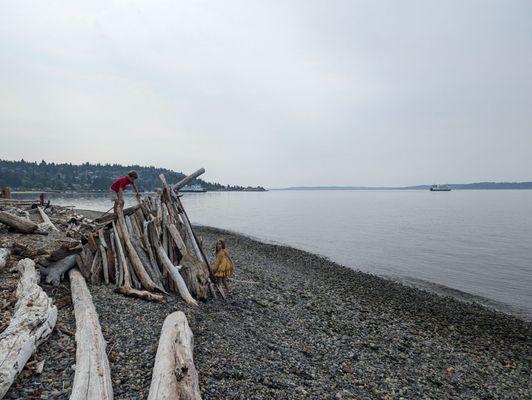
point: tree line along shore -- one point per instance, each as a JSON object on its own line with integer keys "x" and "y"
{"x": 49, "y": 176}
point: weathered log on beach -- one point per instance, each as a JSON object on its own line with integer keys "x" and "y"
{"x": 92, "y": 378}
{"x": 186, "y": 180}
{"x": 47, "y": 223}
{"x": 33, "y": 319}
{"x": 4, "y": 254}
{"x": 55, "y": 272}
{"x": 174, "y": 373}
{"x": 19, "y": 224}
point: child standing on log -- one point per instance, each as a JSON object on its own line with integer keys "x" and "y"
{"x": 223, "y": 266}
{"x": 120, "y": 185}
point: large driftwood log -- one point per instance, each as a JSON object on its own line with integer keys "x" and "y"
{"x": 55, "y": 272}
{"x": 186, "y": 180}
{"x": 139, "y": 269}
{"x": 33, "y": 320}
{"x": 4, "y": 254}
{"x": 19, "y": 224}
{"x": 174, "y": 374}
{"x": 92, "y": 378}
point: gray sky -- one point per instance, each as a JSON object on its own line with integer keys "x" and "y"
{"x": 271, "y": 92}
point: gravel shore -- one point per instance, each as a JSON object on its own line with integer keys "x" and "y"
{"x": 297, "y": 326}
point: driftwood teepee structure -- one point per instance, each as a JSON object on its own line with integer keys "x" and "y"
{"x": 150, "y": 247}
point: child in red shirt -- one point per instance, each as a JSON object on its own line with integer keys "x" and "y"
{"x": 121, "y": 184}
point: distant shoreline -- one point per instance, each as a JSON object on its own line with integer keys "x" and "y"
{"x": 453, "y": 186}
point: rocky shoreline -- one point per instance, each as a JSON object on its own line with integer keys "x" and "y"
{"x": 299, "y": 326}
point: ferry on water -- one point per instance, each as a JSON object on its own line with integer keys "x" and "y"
{"x": 440, "y": 188}
{"x": 193, "y": 189}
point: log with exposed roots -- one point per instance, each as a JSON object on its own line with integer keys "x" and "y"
{"x": 33, "y": 320}
{"x": 92, "y": 378}
{"x": 174, "y": 373}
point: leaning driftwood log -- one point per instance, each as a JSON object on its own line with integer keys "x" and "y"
{"x": 140, "y": 271}
{"x": 124, "y": 274}
{"x": 55, "y": 272}
{"x": 47, "y": 223}
{"x": 171, "y": 270}
{"x": 186, "y": 180}
{"x": 33, "y": 320}
{"x": 19, "y": 224}
{"x": 174, "y": 374}
{"x": 92, "y": 378}
{"x": 4, "y": 254}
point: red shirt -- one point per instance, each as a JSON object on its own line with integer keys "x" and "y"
{"x": 121, "y": 183}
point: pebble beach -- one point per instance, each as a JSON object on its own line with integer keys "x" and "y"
{"x": 297, "y": 326}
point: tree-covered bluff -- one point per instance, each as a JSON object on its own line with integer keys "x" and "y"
{"x": 23, "y": 175}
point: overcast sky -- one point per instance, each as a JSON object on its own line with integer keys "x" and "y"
{"x": 276, "y": 93}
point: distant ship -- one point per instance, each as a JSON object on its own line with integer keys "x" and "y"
{"x": 193, "y": 189}
{"x": 440, "y": 188}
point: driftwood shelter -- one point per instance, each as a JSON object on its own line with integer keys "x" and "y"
{"x": 148, "y": 251}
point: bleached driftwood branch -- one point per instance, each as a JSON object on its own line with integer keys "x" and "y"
{"x": 46, "y": 221}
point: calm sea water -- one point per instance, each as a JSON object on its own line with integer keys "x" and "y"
{"x": 471, "y": 244}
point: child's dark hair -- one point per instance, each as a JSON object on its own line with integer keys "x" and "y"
{"x": 133, "y": 174}
{"x": 222, "y": 243}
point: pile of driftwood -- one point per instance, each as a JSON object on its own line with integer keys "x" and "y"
{"x": 144, "y": 249}
{"x": 148, "y": 248}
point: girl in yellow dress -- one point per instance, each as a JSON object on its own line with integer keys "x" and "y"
{"x": 223, "y": 266}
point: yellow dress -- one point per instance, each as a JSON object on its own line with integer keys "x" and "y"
{"x": 223, "y": 266}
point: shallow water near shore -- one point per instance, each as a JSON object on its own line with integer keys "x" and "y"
{"x": 474, "y": 245}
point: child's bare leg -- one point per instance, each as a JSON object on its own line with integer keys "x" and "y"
{"x": 224, "y": 280}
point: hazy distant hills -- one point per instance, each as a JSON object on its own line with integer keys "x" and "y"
{"x": 454, "y": 186}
